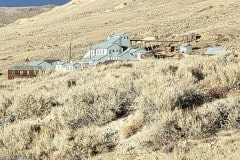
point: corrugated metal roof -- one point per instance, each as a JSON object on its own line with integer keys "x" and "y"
{"x": 185, "y": 45}
{"x": 215, "y": 51}
{"x": 111, "y": 41}
{"x": 61, "y": 63}
{"x": 35, "y": 63}
{"x": 120, "y": 34}
{"x": 71, "y": 63}
{"x": 25, "y": 67}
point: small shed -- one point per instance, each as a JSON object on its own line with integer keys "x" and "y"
{"x": 190, "y": 37}
{"x": 186, "y": 48}
{"x": 215, "y": 51}
{"x": 60, "y": 66}
{"x": 68, "y": 66}
{"x": 24, "y": 71}
{"x": 71, "y": 66}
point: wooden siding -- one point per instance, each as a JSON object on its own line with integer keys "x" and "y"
{"x": 11, "y": 74}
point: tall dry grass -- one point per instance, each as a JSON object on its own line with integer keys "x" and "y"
{"x": 126, "y": 110}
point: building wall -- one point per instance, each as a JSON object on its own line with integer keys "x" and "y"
{"x": 185, "y": 49}
{"x": 22, "y": 73}
{"x": 101, "y": 52}
{"x": 115, "y": 49}
{"x": 125, "y": 40}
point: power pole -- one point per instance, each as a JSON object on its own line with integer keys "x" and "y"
{"x": 70, "y": 52}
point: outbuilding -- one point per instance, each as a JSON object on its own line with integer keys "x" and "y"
{"x": 24, "y": 71}
{"x": 68, "y": 66}
{"x": 186, "y": 48}
{"x": 215, "y": 51}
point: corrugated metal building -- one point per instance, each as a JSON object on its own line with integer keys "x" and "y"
{"x": 117, "y": 47}
{"x": 45, "y": 64}
{"x": 215, "y": 51}
{"x": 67, "y": 66}
{"x": 185, "y": 48}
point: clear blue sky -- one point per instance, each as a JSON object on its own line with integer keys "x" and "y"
{"x": 21, "y": 3}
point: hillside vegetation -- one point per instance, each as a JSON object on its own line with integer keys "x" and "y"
{"x": 147, "y": 109}
{"x": 185, "y": 108}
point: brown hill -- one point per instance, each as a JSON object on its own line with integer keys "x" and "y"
{"x": 185, "y": 108}
{"x": 11, "y": 14}
{"x": 82, "y": 23}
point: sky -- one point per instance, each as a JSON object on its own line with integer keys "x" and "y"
{"x": 23, "y": 3}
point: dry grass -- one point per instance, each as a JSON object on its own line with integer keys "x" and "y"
{"x": 185, "y": 108}
{"x": 12, "y": 14}
{"x": 120, "y": 111}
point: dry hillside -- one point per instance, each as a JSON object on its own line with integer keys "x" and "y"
{"x": 11, "y": 14}
{"x": 183, "y": 109}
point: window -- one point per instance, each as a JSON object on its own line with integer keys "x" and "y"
{"x": 70, "y": 68}
{"x": 113, "y": 50}
{"x": 21, "y": 72}
{"x": 35, "y": 72}
{"x": 13, "y": 72}
{"x": 28, "y": 72}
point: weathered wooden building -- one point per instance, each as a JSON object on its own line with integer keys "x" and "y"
{"x": 190, "y": 37}
{"x": 24, "y": 71}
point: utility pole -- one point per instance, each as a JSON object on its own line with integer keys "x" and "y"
{"x": 70, "y": 52}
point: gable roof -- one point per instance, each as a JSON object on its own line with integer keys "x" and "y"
{"x": 25, "y": 67}
{"x": 35, "y": 63}
{"x": 185, "y": 45}
{"x": 120, "y": 34}
{"x": 71, "y": 64}
{"x": 107, "y": 44}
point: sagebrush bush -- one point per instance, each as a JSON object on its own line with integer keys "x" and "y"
{"x": 123, "y": 108}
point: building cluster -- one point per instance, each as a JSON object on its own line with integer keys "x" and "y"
{"x": 34, "y": 68}
{"x": 117, "y": 47}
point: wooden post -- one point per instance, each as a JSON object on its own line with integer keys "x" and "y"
{"x": 70, "y": 52}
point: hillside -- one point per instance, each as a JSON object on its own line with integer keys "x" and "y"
{"x": 175, "y": 108}
{"x": 11, "y": 14}
{"x": 81, "y": 22}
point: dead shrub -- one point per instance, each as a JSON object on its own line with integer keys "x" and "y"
{"x": 71, "y": 83}
{"x": 91, "y": 142}
{"x": 6, "y": 102}
{"x": 167, "y": 133}
{"x": 198, "y": 74}
{"x": 218, "y": 92}
{"x": 132, "y": 125}
{"x": 127, "y": 65}
{"x": 99, "y": 108}
{"x": 215, "y": 120}
{"x": 189, "y": 99}
{"x": 173, "y": 69}
{"x": 31, "y": 105}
